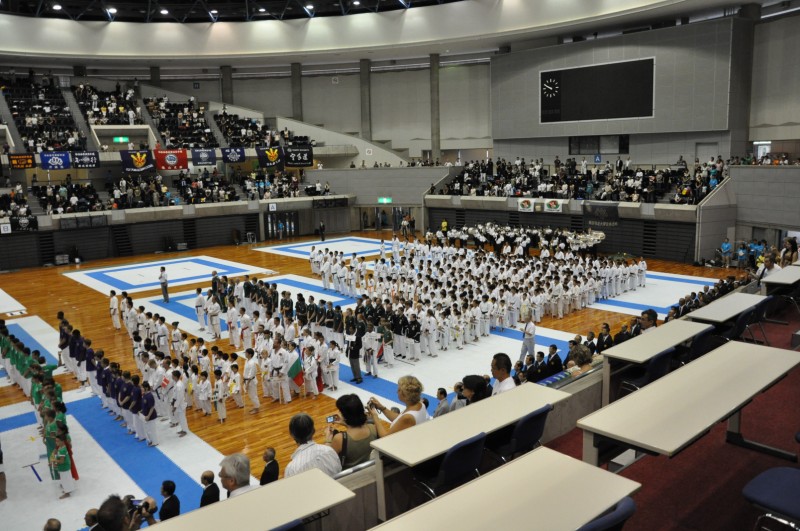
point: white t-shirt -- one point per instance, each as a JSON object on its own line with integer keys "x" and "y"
{"x": 501, "y": 387}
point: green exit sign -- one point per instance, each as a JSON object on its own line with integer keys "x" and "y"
{"x": 384, "y": 200}
{"x": 121, "y": 139}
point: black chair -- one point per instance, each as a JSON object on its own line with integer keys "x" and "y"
{"x": 759, "y": 316}
{"x": 295, "y": 525}
{"x": 656, "y": 368}
{"x": 614, "y": 519}
{"x": 525, "y": 436}
{"x": 735, "y": 332}
{"x": 459, "y": 463}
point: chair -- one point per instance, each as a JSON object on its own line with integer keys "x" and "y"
{"x": 702, "y": 345}
{"x": 295, "y": 525}
{"x": 759, "y": 315}
{"x": 460, "y": 462}
{"x": 656, "y": 368}
{"x": 614, "y": 519}
{"x": 736, "y": 331}
{"x": 525, "y": 436}
{"x": 776, "y": 492}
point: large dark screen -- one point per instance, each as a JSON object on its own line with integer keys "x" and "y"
{"x": 617, "y": 90}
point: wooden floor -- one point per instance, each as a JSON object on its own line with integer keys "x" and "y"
{"x": 45, "y": 292}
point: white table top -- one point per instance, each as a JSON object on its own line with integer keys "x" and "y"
{"x": 796, "y": 263}
{"x": 642, "y": 348}
{"x": 785, "y": 277}
{"x": 532, "y": 490}
{"x": 726, "y": 308}
{"x": 267, "y": 507}
{"x": 435, "y": 437}
{"x": 670, "y": 413}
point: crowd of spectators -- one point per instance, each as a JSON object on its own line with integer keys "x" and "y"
{"x": 14, "y": 203}
{"x": 68, "y": 197}
{"x": 41, "y": 114}
{"x": 107, "y": 107}
{"x": 245, "y": 132}
{"x": 181, "y": 124}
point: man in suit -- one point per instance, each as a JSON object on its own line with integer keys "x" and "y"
{"x": 90, "y": 519}
{"x": 271, "y": 468}
{"x": 538, "y": 369}
{"x": 623, "y": 335}
{"x": 210, "y": 489}
{"x": 171, "y": 506}
{"x": 636, "y": 327}
{"x": 554, "y": 363}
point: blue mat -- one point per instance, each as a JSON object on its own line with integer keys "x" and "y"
{"x": 30, "y": 342}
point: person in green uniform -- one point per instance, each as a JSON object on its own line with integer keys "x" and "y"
{"x": 50, "y": 432}
{"x": 61, "y": 411}
{"x": 61, "y": 464}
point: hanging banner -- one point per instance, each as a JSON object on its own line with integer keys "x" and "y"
{"x": 171, "y": 159}
{"x": 85, "y": 159}
{"x": 55, "y": 160}
{"x": 24, "y": 223}
{"x": 21, "y": 162}
{"x": 204, "y": 157}
{"x": 298, "y": 157}
{"x": 136, "y": 160}
{"x": 600, "y": 214}
{"x": 524, "y": 204}
{"x": 270, "y": 158}
{"x": 232, "y": 155}
{"x": 553, "y": 205}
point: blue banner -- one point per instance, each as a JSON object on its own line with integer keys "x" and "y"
{"x": 204, "y": 157}
{"x": 136, "y": 160}
{"x": 55, "y": 160}
{"x": 232, "y": 155}
{"x": 270, "y": 157}
{"x": 85, "y": 159}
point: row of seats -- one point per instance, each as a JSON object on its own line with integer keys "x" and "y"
{"x": 181, "y": 124}
{"x": 107, "y": 108}
{"x": 245, "y": 132}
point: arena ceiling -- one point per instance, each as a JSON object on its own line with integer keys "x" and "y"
{"x": 203, "y": 10}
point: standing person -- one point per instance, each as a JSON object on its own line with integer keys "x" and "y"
{"x": 148, "y": 414}
{"x": 353, "y": 342}
{"x": 213, "y": 318}
{"x": 271, "y": 467}
{"x": 162, "y": 279}
{"x": 171, "y": 506}
{"x": 220, "y": 395}
{"x": 528, "y": 338}
{"x": 210, "y": 489}
{"x": 179, "y": 403}
{"x": 113, "y": 308}
{"x": 61, "y": 463}
{"x": 246, "y": 329}
{"x": 322, "y": 230}
{"x": 250, "y": 383}
{"x": 199, "y": 308}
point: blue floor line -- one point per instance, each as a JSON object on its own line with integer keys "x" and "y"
{"x": 190, "y": 314}
{"x": 28, "y": 340}
{"x": 105, "y": 277}
{"x": 633, "y": 305}
{"x": 3, "y": 373}
{"x": 697, "y": 281}
{"x": 17, "y": 421}
{"x": 146, "y": 466}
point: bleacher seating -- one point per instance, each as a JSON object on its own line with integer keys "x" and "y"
{"x": 42, "y": 116}
{"x": 245, "y": 132}
{"x": 181, "y": 124}
{"x": 107, "y": 108}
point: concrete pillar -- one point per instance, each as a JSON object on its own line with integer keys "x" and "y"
{"x": 155, "y": 76}
{"x": 436, "y": 137}
{"x": 226, "y": 74}
{"x": 751, "y": 12}
{"x": 297, "y": 91}
{"x": 79, "y": 70}
{"x": 366, "y": 100}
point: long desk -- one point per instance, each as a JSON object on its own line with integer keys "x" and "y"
{"x": 668, "y": 415}
{"x": 644, "y": 347}
{"x": 267, "y": 507}
{"x": 526, "y": 487}
{"x": 435, "y": 437}
{"x": 787, "y": 276}
{"x": 796, "y": 263}
{"x": 726, "y": 308}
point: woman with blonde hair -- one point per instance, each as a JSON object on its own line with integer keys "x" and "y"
{"x": 409, "y": 392}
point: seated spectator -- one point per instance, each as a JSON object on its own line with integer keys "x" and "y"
{"x": 581, "y": 361}
{"x": 475, "y": 388}
{"x": 442, "y": 407}
{"x": 460, "y": 400}
{"x": 409, "y": 392}
{"x": 352, "y": 445}
{"x": 501, "y": 371}
{"x": 309, "y": 454}
{"x": 234, "y": 474}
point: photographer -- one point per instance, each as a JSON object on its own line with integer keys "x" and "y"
{"x": 352, "y": 445}
{"x": 123, "y": 514}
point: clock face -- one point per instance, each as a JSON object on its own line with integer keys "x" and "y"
{"x": 550, "y": 88}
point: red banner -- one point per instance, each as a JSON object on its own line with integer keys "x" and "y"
{"x": 171, "y": 159}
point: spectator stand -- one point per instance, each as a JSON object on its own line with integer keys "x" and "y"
{"x": 181, "y": 124}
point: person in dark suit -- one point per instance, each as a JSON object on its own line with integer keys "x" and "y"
{"x": 171, "y": 506}
{"x": 210, "y": 489}
{"x": 554, "y": 363}
{"x": 604, "y": 340}
{"x": 636, "y": 327}
{"x": 271, "y": 468}
{"x": 623, "y": 335}
{"x": 322, "y": 230}
{"x": 538, "y": 369}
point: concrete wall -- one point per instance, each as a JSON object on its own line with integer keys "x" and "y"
{"x": 767, "y": 197}
{"x": 406, "y": 186}
{"x": 716, "y": 220}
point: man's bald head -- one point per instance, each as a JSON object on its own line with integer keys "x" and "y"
{"x": 52, "y": 525}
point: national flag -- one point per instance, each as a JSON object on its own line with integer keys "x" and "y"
{"x": 296, "y": 368}
{"x": 380, "y": 353}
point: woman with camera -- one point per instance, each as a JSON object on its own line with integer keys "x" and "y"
{"x": 409, "y": 392}
{"x": 352, "y": 445}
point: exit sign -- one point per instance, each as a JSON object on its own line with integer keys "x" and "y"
{"x": 121, "y": 139}
{"x": 384, "y": 200}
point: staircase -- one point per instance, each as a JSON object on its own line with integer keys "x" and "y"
{"x": 147, "y": 118}
{"x": 8, "y": 119}
{"x": 387, "y": 144}
{"x": 650, "y": 237}
{"x": 80, "y": 121}
{"x": 47, "y": 247}
{"x": 190, "y": 233}
{"x": 122, "y": 240}
{"x": 215, "y": 130}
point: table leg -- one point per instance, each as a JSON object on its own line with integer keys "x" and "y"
{"x": 380, "y": 486}
{"x": 734, "y": 436}
{"x": 590, "y": 453}
{"x": 606, "y": 380}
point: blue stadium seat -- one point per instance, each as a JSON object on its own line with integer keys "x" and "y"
{"x": 614, "y": 519}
